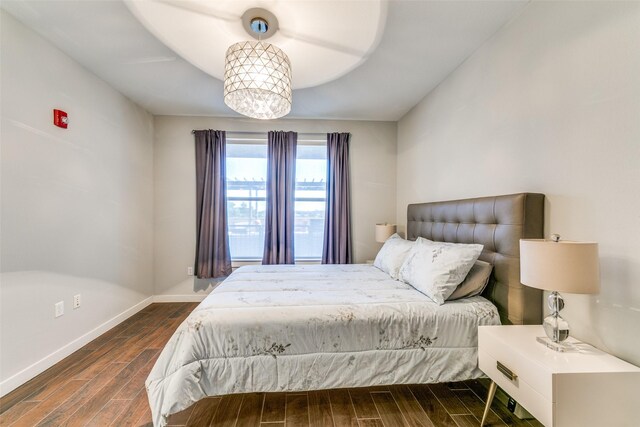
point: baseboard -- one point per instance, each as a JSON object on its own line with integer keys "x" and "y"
{"x": 179, "y": 298}
{"x": 46, "y": 362}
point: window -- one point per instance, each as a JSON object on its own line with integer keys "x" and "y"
{"x": 246, "y": 199}
{"x": 311, "y": 198}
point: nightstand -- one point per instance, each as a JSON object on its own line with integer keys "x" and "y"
{"x": 580, "y": 387}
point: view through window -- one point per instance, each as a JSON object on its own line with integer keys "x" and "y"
{"x": 246, "y": 200}
{"x": 311, "y": 198}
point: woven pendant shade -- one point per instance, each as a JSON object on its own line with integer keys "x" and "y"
{"x": 257, "y": 80}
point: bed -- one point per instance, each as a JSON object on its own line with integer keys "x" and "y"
{"x": 293, "y": 328}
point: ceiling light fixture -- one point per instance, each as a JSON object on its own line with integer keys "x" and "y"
{"x": 257, "y": 76}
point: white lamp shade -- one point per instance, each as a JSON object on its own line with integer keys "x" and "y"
{"x": 562, "y": 266}
{"x": 384, "y": 231}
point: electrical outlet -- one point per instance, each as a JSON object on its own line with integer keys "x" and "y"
{"x": 59, "y": 306}
{"x": 189, "y": 271}
{"x": 76, "y": 301}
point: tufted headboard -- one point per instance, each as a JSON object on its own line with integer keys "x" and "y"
{"x": 498, "y": 223}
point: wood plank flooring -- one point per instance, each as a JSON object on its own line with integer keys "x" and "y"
{"x": 102, "y": 384}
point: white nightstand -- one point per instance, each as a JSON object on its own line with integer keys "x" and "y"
{"x": 582, "y": 387}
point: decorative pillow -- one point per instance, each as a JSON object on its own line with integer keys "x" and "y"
{"x": 436, "y": 268}
{"x": 392, "y": 255}
{"x": 475, "y": 282}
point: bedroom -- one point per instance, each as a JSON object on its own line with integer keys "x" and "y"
{"x": 454, "y": 100}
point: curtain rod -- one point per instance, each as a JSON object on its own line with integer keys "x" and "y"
{"x": 265, "y": 132}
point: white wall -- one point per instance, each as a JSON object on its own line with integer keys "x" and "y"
{"x": 373, "y": 185}
{"x": 76, "y": 204}
{"x": 551, "y": 104}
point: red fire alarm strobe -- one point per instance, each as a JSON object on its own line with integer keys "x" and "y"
{"x": 60, "y": 119}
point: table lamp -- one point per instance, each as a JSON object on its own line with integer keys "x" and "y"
{"x": 384, "y": 231}
{"x": 559, "y": 266}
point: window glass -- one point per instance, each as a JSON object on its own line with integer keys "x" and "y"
{"x": 311, "y": 196}
{"x": 246, "y": 200}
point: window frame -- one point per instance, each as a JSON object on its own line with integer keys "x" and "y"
{"x": 240, "y": 138}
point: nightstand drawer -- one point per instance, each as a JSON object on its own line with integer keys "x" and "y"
{"x": 580, "y": 387}
{"x": 509, "y": 379}
{"x": 526, "y": 369}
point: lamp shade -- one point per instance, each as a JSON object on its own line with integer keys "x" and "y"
{"x": 384, "y": 231}
{"x": 562, "y": 266}
{"x": 257, "y": 80}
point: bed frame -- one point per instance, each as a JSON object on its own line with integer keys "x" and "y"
{"x": 498, "y": 223}
{"x": 181, "y": 377}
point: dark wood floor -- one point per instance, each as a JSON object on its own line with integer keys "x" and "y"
{"x": 102, "y": 384}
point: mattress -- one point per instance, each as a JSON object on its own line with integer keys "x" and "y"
{"x": 293, "y": 328}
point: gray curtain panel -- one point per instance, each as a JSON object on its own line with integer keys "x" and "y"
{"x": 337, "y": 247}
{"x": 281, "y": 177}
{"x": 213, "y": 258}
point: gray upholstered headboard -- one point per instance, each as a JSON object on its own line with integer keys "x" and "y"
{"x": 498, "y": 223}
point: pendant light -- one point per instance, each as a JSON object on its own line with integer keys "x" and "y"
{"x": 257, "y": 78}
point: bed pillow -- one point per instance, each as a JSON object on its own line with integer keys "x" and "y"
{"x": 474, "y": 283}
{"x": 392, "y": 255}
{"x": 436, "y": 268}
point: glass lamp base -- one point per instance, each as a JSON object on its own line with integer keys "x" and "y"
{"x": 556, "y": 328}
{"x": 556, "y": 346}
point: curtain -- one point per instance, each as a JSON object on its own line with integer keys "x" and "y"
{"x": 213, "y": 258}
{"x": 337, "y": 220}
{"x": 281, "y": 176}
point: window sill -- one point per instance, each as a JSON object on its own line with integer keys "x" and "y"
{"x": 240, "y": 263}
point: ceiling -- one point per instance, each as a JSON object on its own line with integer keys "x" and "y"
{"x": 320, "y": 44}
{"x": 420, "y": 43}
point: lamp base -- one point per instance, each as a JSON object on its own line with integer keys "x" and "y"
{"x": 556, "y": 346}
{"x": 556, "y": 328}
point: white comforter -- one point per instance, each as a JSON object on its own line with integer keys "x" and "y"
{"x": 291, "y": 328}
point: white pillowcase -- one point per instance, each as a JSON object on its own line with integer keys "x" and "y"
{"x": 393, "y": 254}
{"x": 436, "y": 268}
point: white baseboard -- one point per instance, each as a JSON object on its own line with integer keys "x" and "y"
{"x": 46, "y": 362}
{"x": 179, "y": 298}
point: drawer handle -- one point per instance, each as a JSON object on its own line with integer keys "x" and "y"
{"x": 506, "y": 371}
